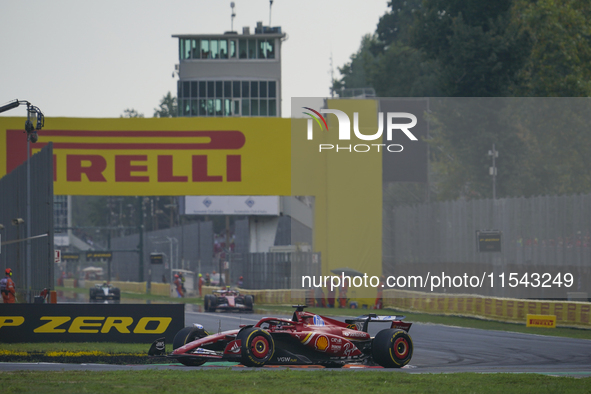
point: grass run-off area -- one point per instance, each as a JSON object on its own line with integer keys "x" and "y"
{"x": 136, "y": 296}
{"x": 223, "y": 380}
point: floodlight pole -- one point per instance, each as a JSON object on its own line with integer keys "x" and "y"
{"x": 31, "y": 133}
{"x": 28, "y": 219}
{"x": 232, "y": 5}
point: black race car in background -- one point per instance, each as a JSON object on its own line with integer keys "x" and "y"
{"x": 104, "y": 292}
{"x": 228, "y": 300}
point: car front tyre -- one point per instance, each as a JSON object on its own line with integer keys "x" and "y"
{"x": 184, "y": 336}
{"x": 258, "y": 346}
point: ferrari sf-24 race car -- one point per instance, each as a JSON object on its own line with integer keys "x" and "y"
{"x": 229, "y": 300}
{"x": 305, "y": 339}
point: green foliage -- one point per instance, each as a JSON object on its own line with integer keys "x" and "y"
{"x": 475, "y": 48}
{"x": 112, "y": 211}
{"x": 463, "y": 130}
{"x": 261, "y": 381}
{"x": 386, "y": 62}
{"x": 100, "y": 211}
{"x": 560, "y": 61}
{"x": 131, "y": 113}
{"x": 394, "y": 25}
{"x": 555, "y": 134}
{"x": 105, "y": 347}
{"x": 403, "y": 71}
{"x": 168, "y": 107}
{"x": 354, "y": 72}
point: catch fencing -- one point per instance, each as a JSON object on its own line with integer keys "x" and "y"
{"x": 539, "y": 234}
{"x": 281, "y": 270}
{"x": 13, "y": 206}
{"x": 188, "y": 247}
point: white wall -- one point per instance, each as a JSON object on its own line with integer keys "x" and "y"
{"x": 262, "y": 232}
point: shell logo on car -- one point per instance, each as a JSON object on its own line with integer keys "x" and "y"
{"x": 322, "y": 343}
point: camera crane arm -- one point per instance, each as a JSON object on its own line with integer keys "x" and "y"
{"x": 31, "y": 109}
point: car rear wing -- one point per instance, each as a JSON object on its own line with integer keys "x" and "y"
{"x": 362, "y": 322}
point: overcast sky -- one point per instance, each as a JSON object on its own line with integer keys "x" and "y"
{"x": 81, "y": 58}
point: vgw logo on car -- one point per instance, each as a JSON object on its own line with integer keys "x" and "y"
{"x": 345, "y": 130}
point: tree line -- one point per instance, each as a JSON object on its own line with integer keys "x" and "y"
{"x": 168, "y": 108}
{"x": 518, "y": 57}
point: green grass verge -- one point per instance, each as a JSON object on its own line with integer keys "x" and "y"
{"x": 281, "y": 381}
{"x": 105, "y": 347}
{"x": 72, "y": 352}
{"x": 137, "y": 296}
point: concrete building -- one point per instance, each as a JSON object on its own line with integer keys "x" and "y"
{"x": 230, "y": 74}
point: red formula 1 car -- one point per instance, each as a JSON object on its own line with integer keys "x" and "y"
{"x": 305, "y": 339}
{"x": 229, "y": 300}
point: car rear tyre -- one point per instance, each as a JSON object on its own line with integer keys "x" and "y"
{"x": 248, "y": 302}
{"x": 206, "y": 302}
{"x": 184, "y": 336}
{"x": 213, "y": 303}
{"x": 392, "y": 348}
{"x": 258, "y": 346}
{"x": 116, "y": 294}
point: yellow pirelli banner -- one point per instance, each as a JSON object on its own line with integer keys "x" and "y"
{"x": 172, "y": 156}
{"x": 545, "y": 321}
{"x": 223, "y": 156}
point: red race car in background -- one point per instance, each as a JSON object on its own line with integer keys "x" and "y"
{"x": 230, "y": 300}
{"x": 305, "y": 339}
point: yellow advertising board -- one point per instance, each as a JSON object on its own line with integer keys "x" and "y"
{"x": 222, "y": 156}
{"x": 546, "y": 321}
{"x": 565, "y": 314}
{"x": 348, "y": 190}
{"x": 173, "y": 156}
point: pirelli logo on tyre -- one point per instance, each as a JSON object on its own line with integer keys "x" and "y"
{"x": 89, "y": 323}
{"x": 547, "y": 321}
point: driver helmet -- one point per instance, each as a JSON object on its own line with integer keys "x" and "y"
{"x": 8, "y": 271}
